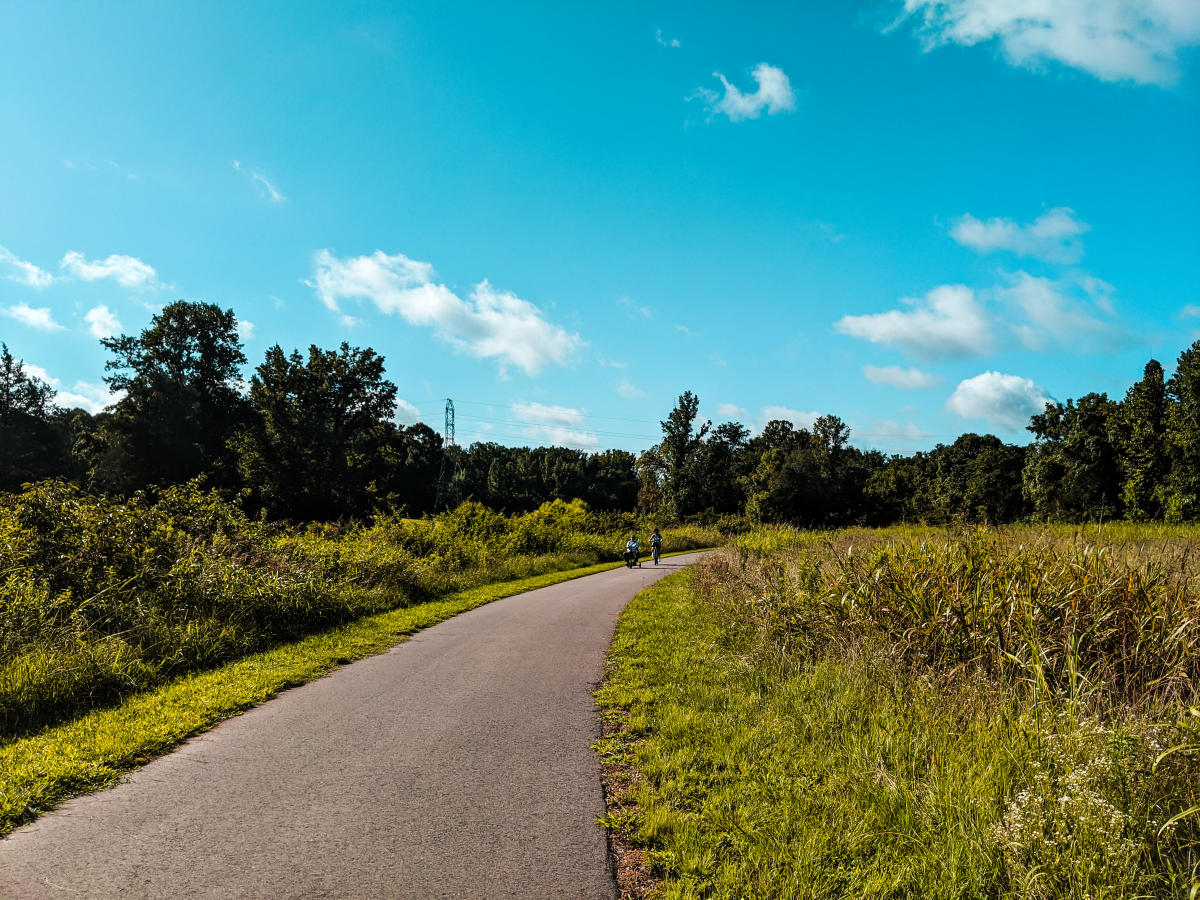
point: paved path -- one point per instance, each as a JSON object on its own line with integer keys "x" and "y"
{"x": 456, "y": 765}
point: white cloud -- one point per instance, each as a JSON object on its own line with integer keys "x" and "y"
{"x": 491, "y": 324}
{"x": 798, "y": 418}
{"x": 1191, "y": 311}
{"x": 905, "y": 379}
{"x": 947, "y": 322}
{"x": 1052, "y": 236}
{"x": 774, "y": 94}
{"x": 560, "y": 426}
{"x": 539, "y": 412}
{"x": 665, "y": 42}
{"x": 685, "y": 331}
{"x": 717, "y": 360}
{"x": 245, "y": 330}
{"x": 1114, "y": 40}
{"x": 128, "y": 271}
{"x": 39, "y": 319}
{"x": 1005, "y": 401}
{"x": 269, "y": 191}
{"x": 92, "y": 397}
{"x": 406, "y": 412}
{"x": 730, "y": 410}
{"x": 629, "y": 390}
{"x": 1075, "y": 312}
{"x": 102, "y": 322}
{"x": 16, "y": 269}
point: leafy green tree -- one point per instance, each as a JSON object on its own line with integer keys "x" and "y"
{"x": 721, "y": 459}
{"x": 180, "y": 377}
{"x": 1183, "y": 438}
{"x": 29, "y": 442}
{"x": 1071, "y": 470}
{"x": 316, "y": 446}
{"x": 978, "y": 479}
{"x": 413, "y": 468}
{"x": 677, "y": 456}
{"x": 1143, "y": 458}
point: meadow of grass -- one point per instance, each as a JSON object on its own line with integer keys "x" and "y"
{"x": 916, "y": 713}
{"x": 101, "y": 598}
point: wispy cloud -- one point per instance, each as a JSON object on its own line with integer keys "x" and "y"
{"x": 245, "y": 330}
{"x": 490, "y": 324}
{"x": 39, "y": 319}
{"x": 685, "y": 331}
{"x": 730, "y": 410}
{"x": 905, "y": 379}
{"x": 102, "y": 322}
{"x": 128, "y": 271}
{"x": 1005, "y": 401}
{"x": 774, "y": 95}
{"x": 948, "y": 321}
{"x": 561, "y": 426}
{"x": 1075, "y": 312}
{"x": 634, "y": 309}
{"x": 665, "y": 42}
{"x": 13, "y": 268}
{"x": 629, "y": 390}
{"x": 1114, "y": 40}
{"x": 1053, "y": 236}
{"x": 265, "y": 185}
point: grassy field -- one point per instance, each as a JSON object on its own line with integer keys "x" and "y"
{"x": 102, "y": 598}
{"x": 915, "y": 713}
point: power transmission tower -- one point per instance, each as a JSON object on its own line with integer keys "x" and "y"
{"x": 448, "y": 495}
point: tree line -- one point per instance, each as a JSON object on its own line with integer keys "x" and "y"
{"x": 311, "y": 436}
{"x": 1136, "y": 458}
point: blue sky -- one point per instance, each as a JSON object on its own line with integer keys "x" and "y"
{"x": 924, "y": 216}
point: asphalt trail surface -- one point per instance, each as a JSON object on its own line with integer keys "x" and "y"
{"x": 458, "y": 764}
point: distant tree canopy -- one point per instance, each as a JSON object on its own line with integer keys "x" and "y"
{"x": 313, "y": 436}
{"x": 180, "y": 378}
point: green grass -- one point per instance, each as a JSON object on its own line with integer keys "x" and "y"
{"x": 841, "y": 769}
{"x": 39, "y": 771}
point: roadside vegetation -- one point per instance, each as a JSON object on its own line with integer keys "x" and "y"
{"x": 86, "y": 753}
{"x": 101, "y": 598}
{"x": 915, "y": 712}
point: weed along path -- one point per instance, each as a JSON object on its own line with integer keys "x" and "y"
{"x": 458, "y": 764}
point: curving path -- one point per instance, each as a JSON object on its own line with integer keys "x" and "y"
{"x": 458, "y": 764}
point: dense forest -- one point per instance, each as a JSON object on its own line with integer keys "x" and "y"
{"x": 312, "y": 437}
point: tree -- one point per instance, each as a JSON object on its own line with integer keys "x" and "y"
{"x": 1143, "y": 458}
{"x": 180, "y": 377}
{"x": 1071, "y": 470}
{"x": 317, "y": 444}
{"x": 682, "y": 482}
{"x": 1183, "y": 438}
{"x": 28, "y": 439}
{"x": 720, "y": 458}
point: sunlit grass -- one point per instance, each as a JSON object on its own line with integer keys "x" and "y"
{"x": 915, "y": 713}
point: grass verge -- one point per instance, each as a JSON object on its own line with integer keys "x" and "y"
{"x": 738, "y": 771}
{"x": 39, "y": 771}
